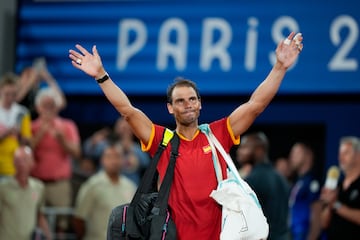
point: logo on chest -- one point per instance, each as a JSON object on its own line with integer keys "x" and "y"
{"x": 206, "y": 149}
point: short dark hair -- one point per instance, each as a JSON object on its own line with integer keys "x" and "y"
{"x": 309, "y": 150}
{"x": 9, "y": 79}
{"x": 181, "y": 82}
{"x": 259, "y": 139}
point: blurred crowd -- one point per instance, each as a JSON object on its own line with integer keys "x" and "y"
{"x": 44, "y": 163}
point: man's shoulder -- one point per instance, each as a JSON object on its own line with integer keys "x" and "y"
{"x": 92, "y": 185}
{"x": 96, "y": 179}
{"x": 7, "y": 181}
{"x": 310, "y": 178}
{"x": 356, "y": 183}
{"x": 263, "y": 172}
{"x": 127, "y": 182}
{"x": 19, "y": 107}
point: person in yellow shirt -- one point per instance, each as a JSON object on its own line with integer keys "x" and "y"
{"x": 15, "y": 124}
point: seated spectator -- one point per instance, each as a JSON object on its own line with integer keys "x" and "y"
{"x": 21, "y": 199}
{"x": 100, "y": 194}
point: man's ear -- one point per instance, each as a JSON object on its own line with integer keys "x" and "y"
{"x": 170, "y": 108}
{"x": 200, "y": 103}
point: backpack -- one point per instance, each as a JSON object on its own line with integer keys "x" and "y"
{"x": 147, "y": 215}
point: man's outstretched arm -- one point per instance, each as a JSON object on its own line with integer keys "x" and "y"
{"x": 286, "y": 54}
{"x": 91, "y": 64}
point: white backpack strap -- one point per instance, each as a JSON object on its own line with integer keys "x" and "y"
{"x": 227, "y": 158}
{"x": 244, "y": 185}
{"x": 205, "y": 129}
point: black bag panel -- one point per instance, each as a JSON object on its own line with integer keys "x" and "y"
{"x": 129, "y": 230}
{"x": 122, "y": 225}
{"x": 132, "y": 229}
{"x": 116, "y": 227}
{"x": 167, "y": 232}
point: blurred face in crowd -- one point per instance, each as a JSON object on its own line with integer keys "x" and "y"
{"x": 347, "y": 156}
{"x": 8, "y": 95}
{"x": 111, "y": 160}
{"x": 296, "y": 157}
{"x": 185, "y": 105}
{"x": 122, "y": 128}
{"x": 47, "y": 107}
{"x": 246, "y": 151}
{"x": 282, "y": 166}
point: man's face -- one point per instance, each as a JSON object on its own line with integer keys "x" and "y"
{"x": 8, "y": 95}
{"x": 346, "y": 156}
{"x": 47, "y": 107}
{"x": 296, "y": 157}
{"x": 245, "y": 152}
{"x": 122, "y": 128}
{"x": 185, "y": 105}
{"x": 112, "y": 160}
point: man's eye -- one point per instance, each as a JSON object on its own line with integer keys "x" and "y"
{"x": 180, "y": 101}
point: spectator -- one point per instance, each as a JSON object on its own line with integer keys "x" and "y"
{"x": 15, "y": 124}
{"x": 270, "y": 187}
{"x": 56, "y": 143}
{"x": 135, "y": 160}
{"x": 21, "y": 199}
{"x": 304, "y": 200}
{"x": 100, "y": 194}
{"x": 244, "y": 159}
{"x": 341, "y": 213}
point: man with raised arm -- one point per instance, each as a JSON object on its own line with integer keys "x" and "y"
{"x": 196, "y": 215}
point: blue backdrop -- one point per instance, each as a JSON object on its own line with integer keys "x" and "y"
{"x": 226, "y": 46}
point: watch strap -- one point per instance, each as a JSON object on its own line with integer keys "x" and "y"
{"x": 104, "y": 78}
